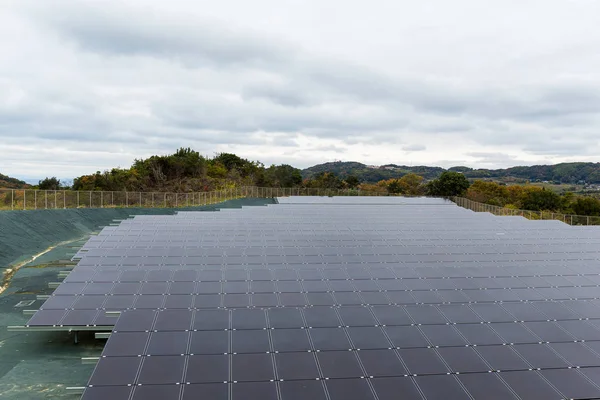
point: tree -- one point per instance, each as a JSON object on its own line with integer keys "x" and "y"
{"x": 49, "y": 184}
{"x": 283, "y": 175}
{"x": 352, "y": 181}
{"x": 394, "y": 187}
{"x": 448, "y": 184}
{"x": 230, "y": 161}
{"x": 489, "y": 193}
{"x": 324, "y": 180}
{"x": 411, "y": 184}
{"x": 586, "y": 206}
{"x": 543, "y": 199}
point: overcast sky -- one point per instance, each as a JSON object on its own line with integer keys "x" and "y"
{"x": 90, "y": 85}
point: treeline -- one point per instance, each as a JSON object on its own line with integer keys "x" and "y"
{"x": 533, "y": 198}
{"x": 524, "y": 197}
{"x": 187, "y": 171}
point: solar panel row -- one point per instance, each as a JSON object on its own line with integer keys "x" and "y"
{"x": 339, "y": 298}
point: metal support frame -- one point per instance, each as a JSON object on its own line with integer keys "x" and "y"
{"x": 26, "y": 328}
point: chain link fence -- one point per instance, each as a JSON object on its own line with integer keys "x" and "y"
{"x": 534, "y": 215}
{"x": 31, "y": 199}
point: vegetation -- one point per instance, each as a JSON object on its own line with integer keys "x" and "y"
{"x": 188, "y": 171}
{"x": 450, "y": 183}
{"x": 369, "y": 174}
{"x": 535, "y": 198}
{"x": 49, "y": 184}
{"x": 6, "y": 182}
{"x": 408, "y": 185}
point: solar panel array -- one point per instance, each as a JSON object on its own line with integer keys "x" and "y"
{"x": 339, "y": 298}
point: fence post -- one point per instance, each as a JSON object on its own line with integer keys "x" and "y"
{"x": 152, "y": 199}
{"x": 90, "y": 199}
{"x": 140, "y": 199}
{"x": 176, "y": 200}
{"x": 165, "y": 205}
{"x": 24, "y": 199}
{"x": 65, "y": 199}
{"x": 77, "y": 199}
{"x": 102, "y": 199}
{"x": 46, "y": 199}
{"x": 588, "y": 220}
{"x": 571, "y": 220}
{"x": 35, "y": 199}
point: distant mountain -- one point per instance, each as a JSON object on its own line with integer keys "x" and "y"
{"x": 6, "y": 182}
{"x": 369, "y": 173}
{"x": 561, "y": 173}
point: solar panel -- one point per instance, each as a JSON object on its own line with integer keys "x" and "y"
{"x": 338, "y": 298}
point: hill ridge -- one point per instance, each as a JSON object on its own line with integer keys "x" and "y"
{"x": 6, "y": 182}
{"x": 574, "y": 172}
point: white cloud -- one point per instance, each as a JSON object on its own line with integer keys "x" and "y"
{"x": 86, "y": 86}
{"x": 414, "y": 147}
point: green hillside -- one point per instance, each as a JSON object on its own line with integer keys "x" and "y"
{"x": 560, "y": 173}
{"x": 368, "y": 174}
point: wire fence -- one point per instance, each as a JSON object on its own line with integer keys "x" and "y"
{"x": 534, "y": 215}
{"x": 31, "y": 199}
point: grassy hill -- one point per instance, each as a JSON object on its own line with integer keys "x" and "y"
{"x": 6, "y": 182}
{"x": 369, "y": 174}
{"x": 570, "y": 173}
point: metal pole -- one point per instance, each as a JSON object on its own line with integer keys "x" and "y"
{"x": 12, "y": 199}
{"x": 55, "y": 199}
{"x": 126, "y": 199}
{"x": 46, "y": 200}
{"x": 24, "y": 199}
{"x": 102, "y": 199}
{"x": 65, "y": 199}
{"x": 165, "y": 205}
{"x": 140, "y": 199}
{"x": 35, "y": 200}
{"x": 90, "y": 199}
{"x": 77, "y": 200}
{"x": 152, "y": 199}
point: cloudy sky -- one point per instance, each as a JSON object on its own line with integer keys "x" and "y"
{"x": 90, "y": 85}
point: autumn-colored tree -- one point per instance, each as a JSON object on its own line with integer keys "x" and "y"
{"x": 411, "y": 184}
{"x": 372, "y": 188}
{"x": 488, "y": 192}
